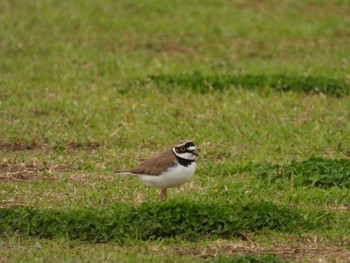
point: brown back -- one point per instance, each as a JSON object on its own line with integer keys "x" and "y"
{"x": 155, "y": 165}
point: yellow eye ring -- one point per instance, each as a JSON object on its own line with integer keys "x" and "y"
{"x": 182, "y": 148}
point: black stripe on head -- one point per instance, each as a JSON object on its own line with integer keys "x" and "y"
{"x": 189, "y": 144}
{"x": 184, "y": 147}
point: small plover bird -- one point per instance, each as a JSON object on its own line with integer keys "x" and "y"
{"x": 170, "y": 168}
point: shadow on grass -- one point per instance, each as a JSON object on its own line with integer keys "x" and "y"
{"x": 184, "y": 220}
{"x": 203, "y": 83}
{"x": 314, "y": 172}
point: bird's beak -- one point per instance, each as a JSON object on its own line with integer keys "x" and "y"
{"x": 195, "y": 153}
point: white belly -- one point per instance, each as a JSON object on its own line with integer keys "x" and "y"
{"x": 173, "y": 177}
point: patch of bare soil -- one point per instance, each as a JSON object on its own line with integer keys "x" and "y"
{"x": 12, "y": 202}
{"x": 169, "y": 47}
{"x": 310, "y": 252}
{"x": 19, "y": 146}
{"x": 24, "y": 146}
{"x": 85, "y": 147}
{"x": 13, "y": 170}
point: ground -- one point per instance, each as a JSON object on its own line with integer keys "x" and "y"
{"x": 77, "y": 101}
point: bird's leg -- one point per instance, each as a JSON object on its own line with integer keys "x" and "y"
{"x": 163, "y": 193}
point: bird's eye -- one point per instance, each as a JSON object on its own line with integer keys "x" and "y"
{"x": 182, "y": 148}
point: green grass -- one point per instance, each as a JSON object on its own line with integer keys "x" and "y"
{"x": 184, "y": 220}
{"x": 88, "y": 87}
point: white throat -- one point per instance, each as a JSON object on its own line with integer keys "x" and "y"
{"x": 186, "y": 156}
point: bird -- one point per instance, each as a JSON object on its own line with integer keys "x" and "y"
{"x": 170, "y": 168}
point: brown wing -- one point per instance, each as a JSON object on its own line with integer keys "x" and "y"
{"x": 155, "y": 165}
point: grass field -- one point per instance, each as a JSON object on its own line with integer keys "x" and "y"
{"x": 262, "y": 87}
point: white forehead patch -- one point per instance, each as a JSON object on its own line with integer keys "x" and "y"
{"x": 191, "y": 148}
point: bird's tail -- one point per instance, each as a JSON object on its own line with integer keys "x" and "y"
{"x": 123, "y": 172}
